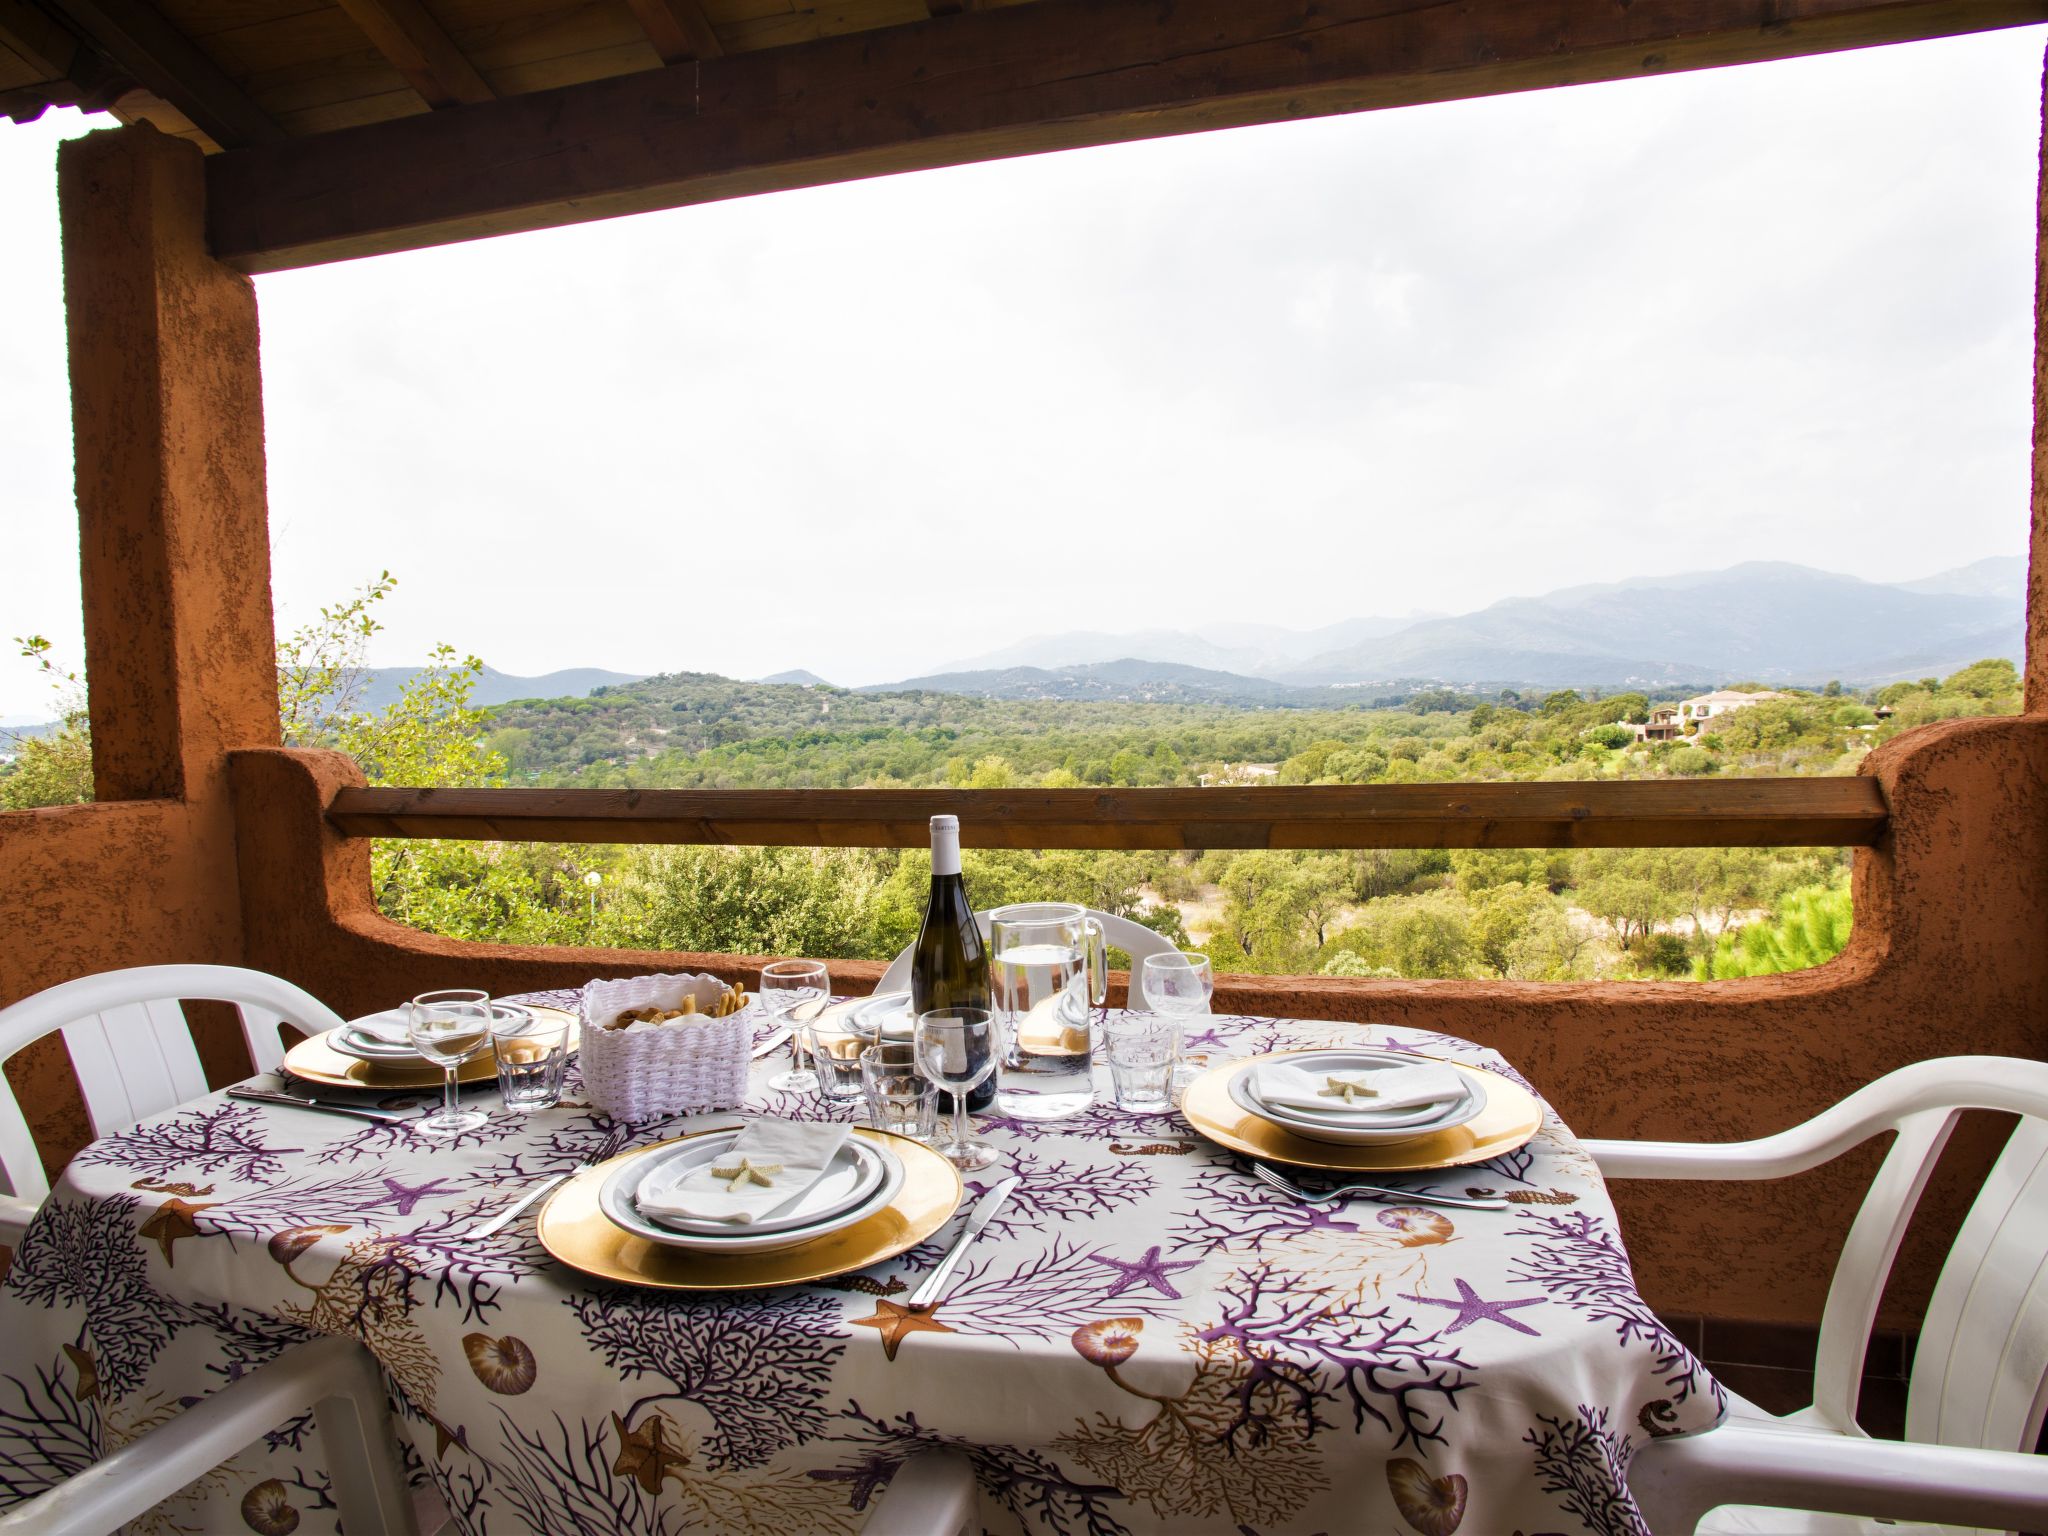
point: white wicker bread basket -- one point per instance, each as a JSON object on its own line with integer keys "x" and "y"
{"x": 650, "y": 1070}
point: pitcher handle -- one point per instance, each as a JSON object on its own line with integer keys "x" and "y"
{"x": 1098, "y": 964}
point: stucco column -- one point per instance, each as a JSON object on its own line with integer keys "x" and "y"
{"x": 167, "y": 421}
{"x": 2037, "y": 544}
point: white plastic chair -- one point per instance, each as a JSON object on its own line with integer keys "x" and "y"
{"x": 1979, "y": 1387}
{"x": 1134, "y": 939}
{"x": 334, "y": 1377}
{"x": 133, "y": 1052}
{"x": 134, "y": 1057}
{"x": 932, "y": 1494}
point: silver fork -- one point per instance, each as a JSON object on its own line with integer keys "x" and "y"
{"x": 1287, "y": 1186}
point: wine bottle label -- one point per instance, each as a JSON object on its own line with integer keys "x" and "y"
{"x": 945, "y": 845}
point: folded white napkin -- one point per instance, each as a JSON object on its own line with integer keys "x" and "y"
{"x": 789, "y": 1156}
{"x": 391, "y": 1026}
{"x": 1378, "y": 1089}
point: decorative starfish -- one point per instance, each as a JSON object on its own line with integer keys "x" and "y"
{"x": 171, "y": 1221}
{"x": 1349, "y": 1092}
{"x": 644, "y": 1455}
{"x": 1471, "y": 1309}
{"x": 1149, "y": 1270}
{"x": 747, "y": 1171}
{"x": 445, "y": 1437}
{"x": 88, "y": 1370}
{"x": 405, "y": 1196}
{"x": 896, "y": 1321}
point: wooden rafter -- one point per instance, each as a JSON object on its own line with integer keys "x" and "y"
{"x": 40, "y": 42}
{"x": 1806, "y": 812}
{"x": 678, "y": 29}
{"x": 421, "y": 50}
{"x": 140, "y": 42}
{"x": 1019, "y": 80}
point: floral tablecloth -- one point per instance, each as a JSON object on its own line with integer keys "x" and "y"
{"x": 1147, "y": 1339}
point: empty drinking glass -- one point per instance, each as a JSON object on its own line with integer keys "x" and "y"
{"x": 794, "y": 992}
{"x": 1142, "y": 1049}
{"x": 532, "y": 1053}
{"x": 900, "y": 1097}
{"x": 1176, "y": 983}
{"x": 956, "y": 1049}
{"x": 448, "y": 1028}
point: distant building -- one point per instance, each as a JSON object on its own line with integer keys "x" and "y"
{"x": 1663, "y": 725}
{"x": 1705, "y": 712}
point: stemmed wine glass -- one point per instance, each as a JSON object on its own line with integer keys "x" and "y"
{"x": 1178, "y": 985}
{"x": 795, "y": 992}
{"x": 448, "y": 1028}
{"x": 956, "y": 1048}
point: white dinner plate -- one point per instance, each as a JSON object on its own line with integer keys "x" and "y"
{"x": 862, "y": 1178}
{"x": 364, "y": 1044}
{"x": 1363, "y": 1128}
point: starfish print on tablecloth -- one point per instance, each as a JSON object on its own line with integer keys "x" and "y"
{"x": 173, "y": 1220}
{"x": 1471, "y": 1309}
{"x": 896, "y": 1321}
{"x": 1150, "y": 1270}
{"x": 405, "y": 1196}
{"x": 646, "y": 1454}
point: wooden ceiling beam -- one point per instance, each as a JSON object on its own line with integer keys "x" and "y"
{"x": 678, "y": 29}
{"x": 990, "y": 84}
{"x": 40, "y": 41}
{"x": 137, "y": 39}
{"x": 420, "y": 49}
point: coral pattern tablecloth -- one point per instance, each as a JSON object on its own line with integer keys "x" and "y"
{"x": 1147, "y": 1339}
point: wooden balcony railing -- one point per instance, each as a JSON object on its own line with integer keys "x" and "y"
{"x": 1807, "y": 812}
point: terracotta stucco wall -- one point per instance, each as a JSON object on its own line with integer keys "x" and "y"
{"x": 175, "y": 555}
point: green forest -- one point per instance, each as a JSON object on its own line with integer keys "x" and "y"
{"x": 1534, "y": 915}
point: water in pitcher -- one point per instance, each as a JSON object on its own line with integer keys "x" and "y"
{"x": 1041, "y": 995}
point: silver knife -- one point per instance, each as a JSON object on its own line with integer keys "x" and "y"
{"x": 504, "y": 1218}
{"x": 926, "y": 1296}
{"x": 321, "y": 1106}
{"x": 771, "y": 1042}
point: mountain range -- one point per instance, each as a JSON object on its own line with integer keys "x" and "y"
{"x": 1764, "y": 620}
{"x": 381, "y": 685}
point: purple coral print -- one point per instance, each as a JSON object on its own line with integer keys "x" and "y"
{"x": 85, "y": 1254}
{"x": 1046, "y": 1295}
{"x": 757, "y": 1363}
{"x": 1229, "y": 1210}
{"x": 1030, "y": 1486}
{"x": 1580, "y": 1262}
{"x": 222, "y": 1139}
{"x": 1317, "y": 1344}
{"x": 47, "y": 1433}
{"x": 1585, "y": 1464}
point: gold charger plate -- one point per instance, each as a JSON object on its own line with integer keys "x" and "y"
{"x": 313, "y": 1060}
{"x": 577, "y": 1232}
{"x": 1512, "y": 1115}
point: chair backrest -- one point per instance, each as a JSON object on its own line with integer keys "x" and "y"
{"x": 1134, "y": 939}
{"x": 1980, "y": 1374}
{"x": 132, "y": 1049}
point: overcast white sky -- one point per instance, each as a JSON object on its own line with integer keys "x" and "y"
{"x": 1416, "y": 359}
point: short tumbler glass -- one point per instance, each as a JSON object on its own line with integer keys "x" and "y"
{"x": 900, "y": 1098}
{"x": 1142, "y": 1048}
{"x": 836, "y": 1047}
{"x": 532, "y": 1054}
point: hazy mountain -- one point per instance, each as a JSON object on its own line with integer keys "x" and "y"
{"x": 2002, "y": 576}
{"x": 1243, "y": 647}
{"x": 1763, "y": 619}
{"x": 382, "y": 685}
{"x": 1125, "y": 680}
{"x": 798, "y": 676}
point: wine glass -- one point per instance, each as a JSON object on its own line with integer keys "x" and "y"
{"x": 1180, "y": 986}
{"x": 448, "y": 1028}
{"x": 1176, "y": 983}
{"x": 795, "y": 992}
{"x": 956, "y": 1048}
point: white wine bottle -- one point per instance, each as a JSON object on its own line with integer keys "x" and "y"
{"x": 949, "y": 967}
